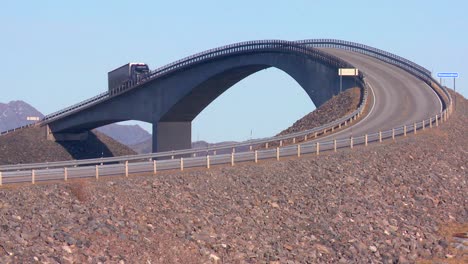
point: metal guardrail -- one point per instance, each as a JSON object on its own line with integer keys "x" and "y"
{"x": 152, "y": 156}
{"x": 125, "y": 168}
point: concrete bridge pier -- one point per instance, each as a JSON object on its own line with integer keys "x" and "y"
{"x": 169, "y": 136}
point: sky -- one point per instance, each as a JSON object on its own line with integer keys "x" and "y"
{"x": 57, "y": 53}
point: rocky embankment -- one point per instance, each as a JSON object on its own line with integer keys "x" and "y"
{"x": 395, "y": 202}
{"x": 30, "y": 145}
{"x": 338, "y": 106}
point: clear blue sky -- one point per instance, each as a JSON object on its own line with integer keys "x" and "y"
{"x": 57, "y": 53}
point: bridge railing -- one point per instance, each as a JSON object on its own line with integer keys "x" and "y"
{"x": 216, "y": 53}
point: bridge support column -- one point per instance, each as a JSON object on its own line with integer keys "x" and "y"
{"x": 169, "y": 136}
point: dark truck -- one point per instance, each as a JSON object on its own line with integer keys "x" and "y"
{"x": 128, "y": 72}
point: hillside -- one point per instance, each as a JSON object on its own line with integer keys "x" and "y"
{"x": 396, "y": 202}
{"x": 14, "y": 114}
{"x": 30, "y": 145}
{"x": 333, "y": 109}
{"x": 126, "y": 134}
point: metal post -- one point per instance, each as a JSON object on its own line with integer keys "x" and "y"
{"x": 365, "y": 140}
{"x": 423, "y": 125}
{"x": 181, "y": 164}
{"x": 266, "y": 145}
{"x": 430, "y": 122}
{"x": 97, "y": 172}
{"x": 298, "y": 150}
{"x": 334, "y": 145}
{"x": 380, "y": 136}
{"x": 126, "y": 168}
{"x": 393, "y": 133}
{"x": 1, "y": 179}
{"x": 250, "y": 148}
{"x": 232, "y": 159}
{"x": 256, "y": 156}
{"x": 214, "y": 152}
{"x": 33, "y": 176}
{"x": 341, "y": 83}
{"x": 317, "y": 145}
{"x": 154, "y": 167}
{"x": 277, "y": 154}
{"x": 414, "y": 128}
{"x": 324, "y": 131}
{"x": 281, "y": 143}
{"x": 404, "y": 130}
{"x": 233, "y": 150}
{"x": 294, "y": 140}
{"x": 339, "y": 125}
{"x": 437, "y": 120}
{"x": 207, "y": 161}
{"x": 65, "y": 173}
{"x": 315, "y": 134}
{"x": 305, "y": 138}
{"x": 351, "y": 142}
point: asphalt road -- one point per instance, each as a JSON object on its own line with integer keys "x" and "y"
{"x": 400, "y": 98}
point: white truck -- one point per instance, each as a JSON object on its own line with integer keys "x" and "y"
{"x": 128, "y": 72}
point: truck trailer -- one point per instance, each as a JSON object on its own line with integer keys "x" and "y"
{"x": 128, "y": 72}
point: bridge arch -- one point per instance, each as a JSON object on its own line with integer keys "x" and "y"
{"x": 173, "y": 100}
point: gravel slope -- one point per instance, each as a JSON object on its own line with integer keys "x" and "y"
{"x": 30, "y": 145}
{"x": 396, "y": 202}
{"x": 338, "y": 106}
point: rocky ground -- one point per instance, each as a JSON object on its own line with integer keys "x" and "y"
{"x": 335, "y": 108}
{"x": 30, "y": 145}
{"x": 396, "y": 202}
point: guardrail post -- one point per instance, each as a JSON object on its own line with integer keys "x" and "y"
{"x": 339, "y": 125}
{"x": 315, "y": 135}
{"x": 207, "y": 161}
{"x": 172, "y": 157}
{"x": 332, "y": 129}
{"x": 266, "y": 145}
{"x": 281, "y": 143}
{"x": 214, "y": 152}
{"x": 65, "y": 174}
{"x": 334, "y": 145}
{"x": 404, "y": 130}
{"x": 414, "y": 128}
{"x": 430, "y": 122}
{"x": 232, "y": 159}
{"x": 126, "y": 168}
{"x": 154, "y": 167}
{"x": 351, "y": 142}
{"x": 97, "y": 172}
{"x": 317, "y": 146}
{"x": 298, "y": 150}
{"x": 256, "y": 156}
{"x": 294, "y": 140}
{"x": 250, "y": 148}
{"x": 181, "y": 164}
{"x": 423, "y": 125}
{"x": 365, "y": 140}
{"x": 380, "y": 136}
{"x": 305, "y": 138}
{"x": 437, "y": 120}
{"x": 324, "y": 131}
{"x": 393, "y": 133}
{"x": 346, "y": 122}
{"x": 277, "y": 153}
{"x": 1, "y": 179}
{"x": 33, "y": 176}
{"x": 233, "y": 150}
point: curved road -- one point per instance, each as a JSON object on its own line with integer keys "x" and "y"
{"x": 400, "y": 98}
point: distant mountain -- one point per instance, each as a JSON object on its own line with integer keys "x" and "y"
{"x": 14, "y": 114}
{"x": 146, "y": 146}
{"x": 126, "y": 134}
